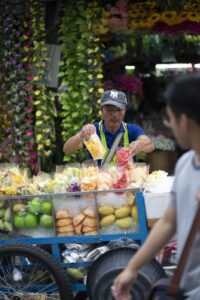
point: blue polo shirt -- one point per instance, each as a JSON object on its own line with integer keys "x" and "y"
{"x": 134, "y": 131}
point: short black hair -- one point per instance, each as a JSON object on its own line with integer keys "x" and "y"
{"x": 182, "y": 95}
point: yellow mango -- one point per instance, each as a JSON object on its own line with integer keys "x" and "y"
{"x": 106, "y": 210}
{"x": 134, "y": 213}
{"x": 18, "y": 207}
{"x": 131, "y": 198}
{"x": 124, "y": 223}
{"x": 107, "y": 220}
{"x": 122, "y": 212}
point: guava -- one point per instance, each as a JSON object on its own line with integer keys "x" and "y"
{"x": 18, "y": 221}
{"x": 30, "y": 221}
{"x": 46, "y": 221}
{"x": 46, "y": 207}
{"x": 34, "y": 206}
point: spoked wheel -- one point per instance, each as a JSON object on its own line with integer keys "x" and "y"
{"x": 29, "y": 273}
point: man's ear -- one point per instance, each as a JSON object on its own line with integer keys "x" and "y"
{"x": 185, "y": 121}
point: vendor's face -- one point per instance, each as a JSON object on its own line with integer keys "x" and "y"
{"x": 179, "y": 127}
{"x": 112, "y": 116}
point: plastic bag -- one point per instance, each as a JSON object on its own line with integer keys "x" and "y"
{"x": 123, "y": 158}
{"x": 95, "y": 146}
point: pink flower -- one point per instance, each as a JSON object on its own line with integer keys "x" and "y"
{"x": 29, "y": 98}
{"x": 29, "y": 133}
{"x": 29, "y": 87}
{"x": 114, "y": 11}
{"x": 28, "y": 33}
{"x": 33, "y": 154}
{"x": 7, "y": 129}
{"x": 28, "y": 110}
{"x": 30, "y": 144}
{"x": 30, "y": 77}
{"x": 28, "y": 122}
{"x": 27, "y": 66}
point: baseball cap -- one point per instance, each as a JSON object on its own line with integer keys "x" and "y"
{"x": 114, "y": 97}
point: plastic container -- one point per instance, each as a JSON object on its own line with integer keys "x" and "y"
{"x": 33, "y": 217}
{"x": 76, "y": 215}
{"x": 117, "y": 212}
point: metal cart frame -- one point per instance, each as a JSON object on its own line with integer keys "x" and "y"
{"x": 55, "y": 242}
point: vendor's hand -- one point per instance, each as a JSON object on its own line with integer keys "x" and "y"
{"x": 135, "y": 147}
{"x": 122, "y": 284}
{"x": 87, "y": 131}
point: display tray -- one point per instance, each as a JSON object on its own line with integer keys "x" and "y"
{"x": 73, "y": 213}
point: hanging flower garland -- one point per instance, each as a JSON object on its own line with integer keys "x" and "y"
{"x": 80, "y": 68}
{"x": 3, "y": 114}
{"x": 23, "y": 80}
{"x": 14, "y": 79}
{"x": 42, "y": 98}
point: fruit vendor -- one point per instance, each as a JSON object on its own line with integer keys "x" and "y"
{"x": 113, "y": 108}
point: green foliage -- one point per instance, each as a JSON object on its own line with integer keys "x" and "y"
{"x": 80, "y": 69}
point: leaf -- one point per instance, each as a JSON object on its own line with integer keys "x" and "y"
{"x": 82, "y": 71}
{"x": 61, "y": 74}
{"x": 75, "y": 114}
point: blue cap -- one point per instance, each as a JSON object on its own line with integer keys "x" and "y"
{"x": 114, "y": 97}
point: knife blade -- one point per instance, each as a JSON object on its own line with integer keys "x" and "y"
{"x": 111, "y": 152}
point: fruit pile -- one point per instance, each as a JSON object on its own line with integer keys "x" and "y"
{"x": 84, "y": 222}
{"x": 33, "y": 213}
{"x": 122, "y": 218}
{"x": 5, "y": 218}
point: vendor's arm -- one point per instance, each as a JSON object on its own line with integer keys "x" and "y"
{"x": 161, "y": 233}
{"x": 142, "y": 144}
{"x": 75, "y": 142}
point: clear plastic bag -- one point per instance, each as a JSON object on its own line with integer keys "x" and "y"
{"x": 95, "y": 146}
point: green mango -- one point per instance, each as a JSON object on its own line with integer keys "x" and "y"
{"x": 1, "y": 225}
{"x": 2, "y": 212}
{"x": 75, "y": 273}
{"x": 7, "y": 214}
{"x": 7, "y": 226}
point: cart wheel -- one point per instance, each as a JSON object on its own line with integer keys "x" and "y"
{"x": 28, "y": 272}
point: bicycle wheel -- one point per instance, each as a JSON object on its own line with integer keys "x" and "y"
{"x": 29, "y": 273}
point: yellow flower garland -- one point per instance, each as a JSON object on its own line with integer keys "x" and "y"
{"x": 169, "y": 17}
{"x": 154, "y": 18}
{"x": 145, "y": 16}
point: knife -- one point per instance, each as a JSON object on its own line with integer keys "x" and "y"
{"x": 111, "y": 152}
